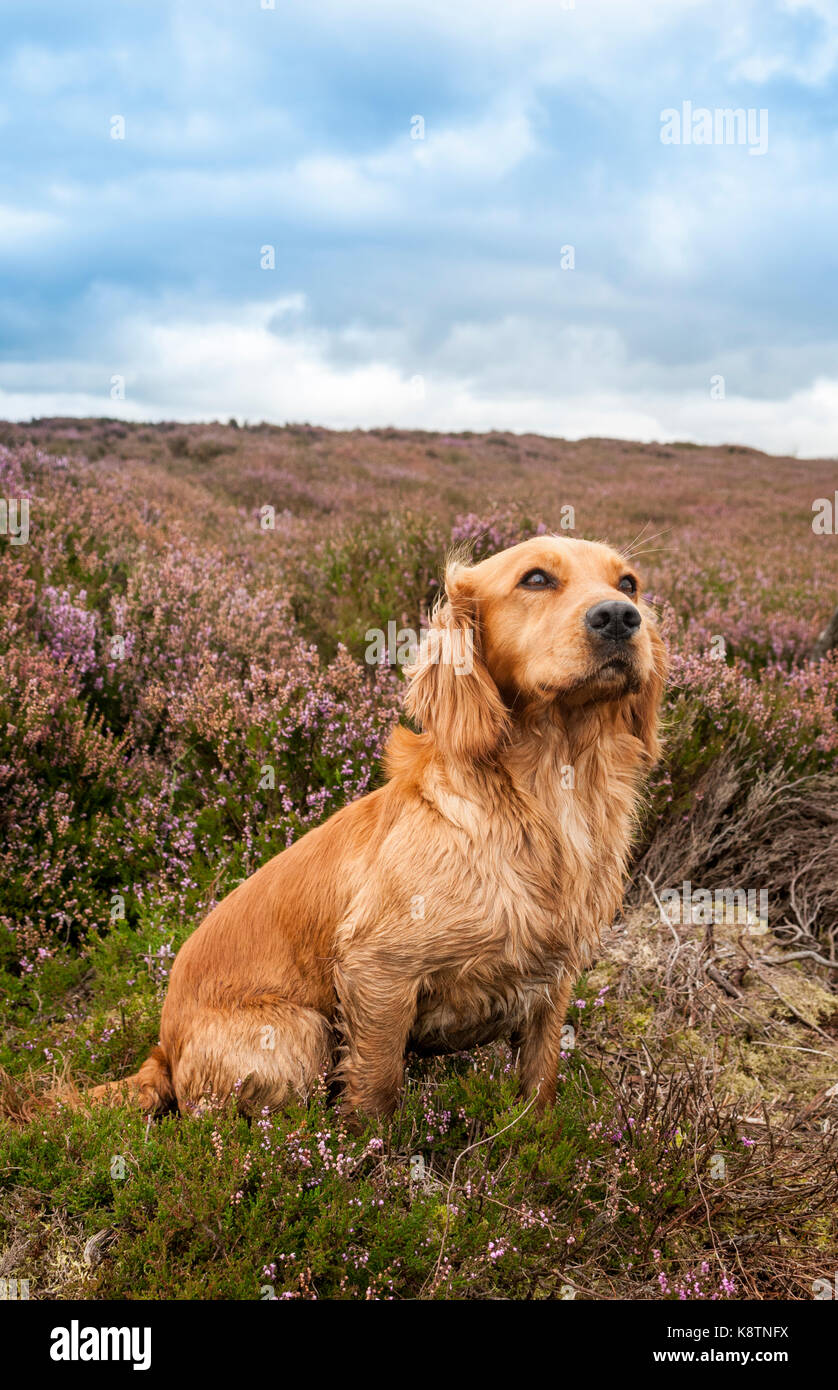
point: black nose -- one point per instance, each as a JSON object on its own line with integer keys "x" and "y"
{"x": 615, "y": 620}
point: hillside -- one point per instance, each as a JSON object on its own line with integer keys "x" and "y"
{"x": 191, "y": 604}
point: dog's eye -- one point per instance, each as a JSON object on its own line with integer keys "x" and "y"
{"x": 627, "y": 585}
{"x": 537, "y": 579}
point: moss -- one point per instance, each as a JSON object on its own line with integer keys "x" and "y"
{"x": 806, "y": 997}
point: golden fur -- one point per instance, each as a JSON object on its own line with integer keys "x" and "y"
{"x": 458, "y": 902}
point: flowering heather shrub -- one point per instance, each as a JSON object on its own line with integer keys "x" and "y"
{"x": 293, "y": 1206}
{"x": 789, "y": 702}
{"x": 362, "y": 577}
{"x": 183, "y": 693}
{"x": 16, "y": 466}
{"x": 70, "y": 629}
{"x": 279, "y": 752}
{"x": 179, "y": 614}
{"x": 62, "y": 774}
{"x": 168, "y": 720}
{"x": 161, "y": 717}
{"x": 479, "y": 536}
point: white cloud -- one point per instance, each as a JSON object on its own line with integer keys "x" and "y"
{"x": 763, "y": 59}
{"x": 437, "y": 257}
{"x": 241, "y": 365}
{"x": 19, "y": 227}
{"x": 485, "y": 150}
{"x": 36, "y": 69}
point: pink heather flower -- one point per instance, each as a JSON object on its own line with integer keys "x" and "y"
{"x": 71, "y": 628}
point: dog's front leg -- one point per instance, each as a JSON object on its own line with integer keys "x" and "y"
{"x": 377, "y": 1009}
{"x": 539, "y": 1043}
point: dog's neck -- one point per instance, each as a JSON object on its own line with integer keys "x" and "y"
{"x": 582, "y": 771}
{"x": 576, "y": 772}
{"x": 556, "y": 800}
{"x": 581, "y": 766}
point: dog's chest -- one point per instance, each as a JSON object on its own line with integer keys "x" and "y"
{"x": 455, "y": 1015}
{"x": 502, "y": 952}
{"x": 511, "y": 946}
{"x": 542, "y": 895}
{"x": 533, "y": 895}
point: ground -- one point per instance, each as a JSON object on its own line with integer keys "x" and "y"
{"x": 183, "y": 691}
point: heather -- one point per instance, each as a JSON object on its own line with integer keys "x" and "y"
{"x": 183, "y": 692}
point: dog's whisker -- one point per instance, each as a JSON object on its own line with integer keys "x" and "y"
{"x": 635, "y": 549}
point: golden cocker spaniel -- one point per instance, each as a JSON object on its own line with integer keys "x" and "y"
{"x": 458, "y": 902}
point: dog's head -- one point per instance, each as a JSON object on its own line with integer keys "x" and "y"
{"x": 552, "y": 621}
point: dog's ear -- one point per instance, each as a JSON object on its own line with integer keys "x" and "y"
{"x": 451, "y": 694}
{"x": 644, "y": 707}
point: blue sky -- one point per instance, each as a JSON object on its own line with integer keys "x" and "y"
{"x": 420, "y": 282}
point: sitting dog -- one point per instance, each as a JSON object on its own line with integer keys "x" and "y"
{"x": 458, "y": 902}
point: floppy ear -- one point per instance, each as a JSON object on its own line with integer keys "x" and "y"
{"x": 644, "y": 707}
{"x": 451, "y": 694}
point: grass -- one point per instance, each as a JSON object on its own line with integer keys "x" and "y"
{"x": 684, "y": 1154}
{"x": 692, "y": 1152}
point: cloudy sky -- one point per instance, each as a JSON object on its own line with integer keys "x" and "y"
{"x": 423, "y": 282}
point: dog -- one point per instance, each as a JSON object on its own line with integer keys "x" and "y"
{"x": 457, "y": 903}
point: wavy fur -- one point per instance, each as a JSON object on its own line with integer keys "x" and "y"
{"x": 458, "y": 902}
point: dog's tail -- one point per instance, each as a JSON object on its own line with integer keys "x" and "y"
{"x": 150, "y": 1088}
